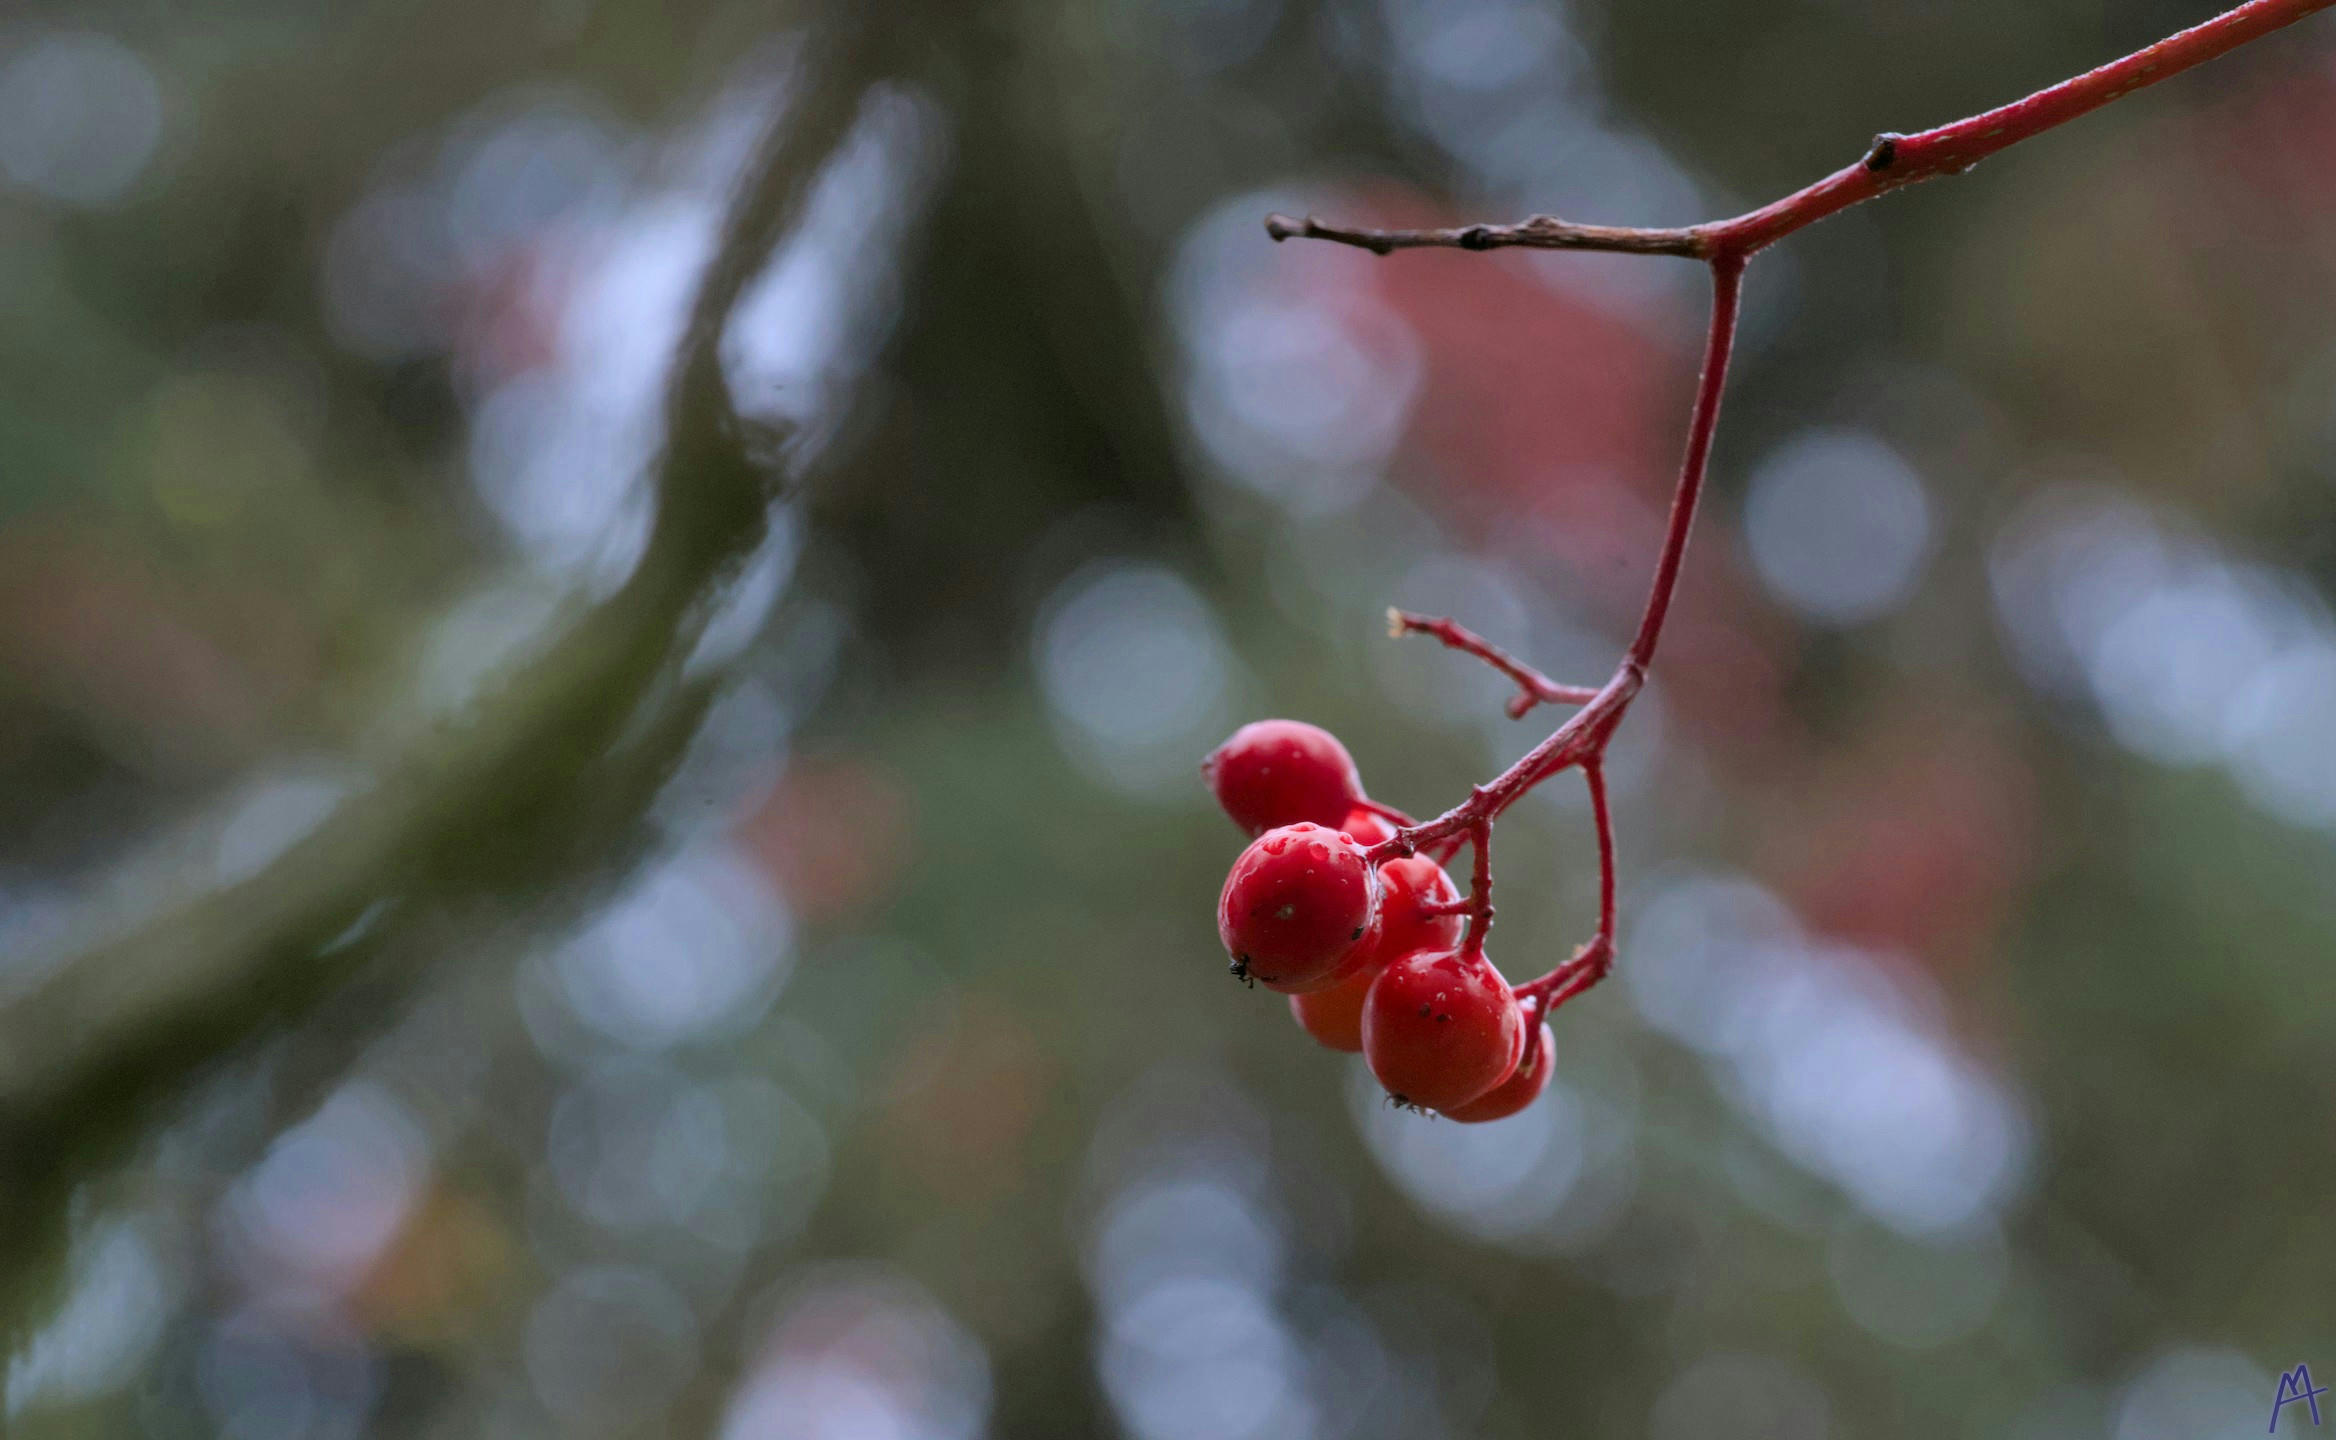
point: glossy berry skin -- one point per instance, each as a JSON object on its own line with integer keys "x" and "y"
{"x": 1355, "y": 962}
{"x": 1297, "y": 906}
{"x": 1440, "y": 1028}
{"x": 1334, "y": 1015}
{"x": 1522, "y": 1088}
{"x": 1282, "y": 772}
{"x": 1368, "y": 827}
{"x": 1403, "y": 923}
{"x": 1407, "y": 888}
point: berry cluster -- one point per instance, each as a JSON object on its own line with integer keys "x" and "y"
{"x": 1317, "y": 905}
{"x": 1370, "y": 940}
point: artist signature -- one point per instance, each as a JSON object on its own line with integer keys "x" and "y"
{"x": 2296, "y": 1388}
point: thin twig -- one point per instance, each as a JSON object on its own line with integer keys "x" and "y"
{"x": 1594, "y": 775}
{"x": 1892, "y": 162}
{"x": 1727, "y": 285}
{"x": 1590, "y": 963}
{"x": 1533, "y": 687}
{"x": 1538, "y": 232}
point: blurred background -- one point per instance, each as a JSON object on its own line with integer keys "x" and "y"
{"x": 599, "y": 823}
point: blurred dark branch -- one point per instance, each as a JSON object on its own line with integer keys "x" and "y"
{"x": 548, "y": 774}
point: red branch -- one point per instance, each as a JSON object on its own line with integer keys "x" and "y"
{"x": 1893, "y": 162}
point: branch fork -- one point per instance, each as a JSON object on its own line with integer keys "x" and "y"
{"x": 1892, "y": 162}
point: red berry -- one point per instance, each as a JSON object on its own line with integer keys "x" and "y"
{"x": 1358, "y": 960}
{"x": 1404, "y": 921}
{"x": 1407, "y": 888}
{"x": 1522, "y": 1088}
{"x": 1441, "y": 1028}
{"x": 1334, "y": 1016}
{"x": 1282, "y": 772}
{"x": 1296, "y": 906}
{"x": 1368, "y": 827}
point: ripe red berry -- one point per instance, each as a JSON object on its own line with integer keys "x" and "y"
{"x": 1407, "y": 890}
{"x": 1522, "y": 1088}
{"x": 1356, "y": 961}
{"x": 1441, "y": 1028}
{"x": 1368, "y": 827}
{"x": 1282, "y": 772}
{"x": 1334, "y": 1015}
{"x": 1407, "y": 887}
{"x": 1404, "y": 920}
{"x": 1296, "y": 906}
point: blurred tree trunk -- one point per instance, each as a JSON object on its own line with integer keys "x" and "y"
{"x": 1026, "y": 388}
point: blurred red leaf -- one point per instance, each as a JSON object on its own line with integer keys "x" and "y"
{"x": 835, "y": 832}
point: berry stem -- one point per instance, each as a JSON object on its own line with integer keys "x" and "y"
{"x": 1594, "y": 772}
{"x": 1479, "y": 909}
{"x": 1589, "y": 964}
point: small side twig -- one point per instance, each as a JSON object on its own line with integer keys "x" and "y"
{"x": 1533, "y": 687}
{"x": 1538, "y": 232}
